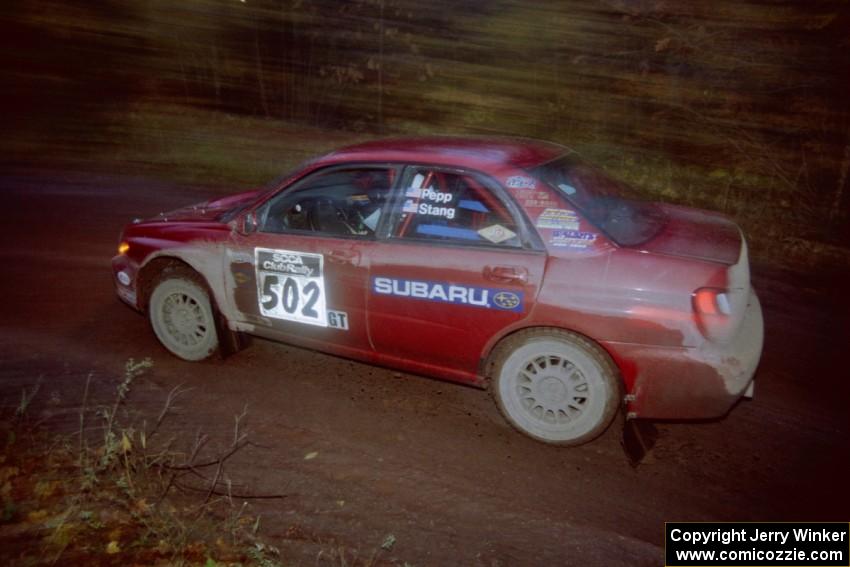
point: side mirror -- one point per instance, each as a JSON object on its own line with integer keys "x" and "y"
{"x": 248, "y": 224}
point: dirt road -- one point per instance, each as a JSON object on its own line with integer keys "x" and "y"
{"x": 429, "y": 462}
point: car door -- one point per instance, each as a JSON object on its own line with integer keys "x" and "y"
{"x": 458, "y": 265}
{"x": 302, "y": 275}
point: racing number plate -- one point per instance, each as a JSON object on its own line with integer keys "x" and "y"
{"x": 291, "y": 286}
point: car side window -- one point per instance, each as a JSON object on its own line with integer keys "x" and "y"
{"x": 339, "y": 202}
{"x": 453, "y": 207}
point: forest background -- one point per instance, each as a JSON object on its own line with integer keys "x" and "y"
{"x": 736, "y": 106}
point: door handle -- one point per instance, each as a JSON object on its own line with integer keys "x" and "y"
{"x": 506, "y": 274}
{"x": 343, "y": 256}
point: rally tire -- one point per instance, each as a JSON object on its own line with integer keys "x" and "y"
{"x": 555, "y": 386}
{"x": 182, "y": 316}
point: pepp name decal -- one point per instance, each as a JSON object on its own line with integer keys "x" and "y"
{"x": 486, "y": 297}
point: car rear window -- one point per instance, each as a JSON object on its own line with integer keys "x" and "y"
{"x": 610, "y": 204}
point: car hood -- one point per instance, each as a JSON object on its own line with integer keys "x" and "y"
{"x": 211, "y": 210}
{"x": 693, "y": 233}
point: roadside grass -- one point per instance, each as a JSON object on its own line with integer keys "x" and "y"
{"x": 170, "y": 142}
{"x": 201, "y": 146}
{"x": 118, "y": 487}
{"x": 115, "y": 492}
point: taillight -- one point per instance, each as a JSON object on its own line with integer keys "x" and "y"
{"x": 712, "y": 301}
{"x": 713, "y": 309}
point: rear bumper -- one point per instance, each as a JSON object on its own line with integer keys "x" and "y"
{"x": 694, "y": 383}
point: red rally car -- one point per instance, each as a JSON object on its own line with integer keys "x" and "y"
{"x": 503, "y": 262}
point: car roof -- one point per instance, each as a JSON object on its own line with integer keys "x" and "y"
{"x": 461, "y": 151}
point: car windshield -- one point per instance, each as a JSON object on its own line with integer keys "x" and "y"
{"x": 611, "y": 205}
{"x": 265, "y": 189}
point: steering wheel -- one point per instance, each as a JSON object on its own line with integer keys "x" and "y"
{"x": 325, "y": 216}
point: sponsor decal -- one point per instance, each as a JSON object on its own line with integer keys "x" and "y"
{"x": 539, "y": 199}
{"x": 496, "y": 233}
{"x": 506, "y": 299}
{"x": 558, "y": 218}
{"x": 539, "y": 203}
{"x": 237, "y": 257}
{"x": 485, "y": 297}
{"x": 338, "y": 320}
{"x": 520, "y": 182}
{"x": 566, "y": 188}
{"x": 291, "y": 286}
{"x": 572, "y": 238}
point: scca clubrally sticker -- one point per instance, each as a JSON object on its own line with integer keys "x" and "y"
{"x": 291, "y": 286}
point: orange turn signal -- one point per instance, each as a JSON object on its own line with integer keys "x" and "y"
{"x": 123, "y": 248}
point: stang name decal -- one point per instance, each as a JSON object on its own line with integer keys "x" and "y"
{"x": 291, "y": 285}
{"x": 489, "y": 298}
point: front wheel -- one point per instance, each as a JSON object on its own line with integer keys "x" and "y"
{"x": 182, "y": 317}
{"x": 555, "y": 386}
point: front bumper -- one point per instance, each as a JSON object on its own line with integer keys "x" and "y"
{"x": 694, "y": 383}
{"x": 124, "y": 272}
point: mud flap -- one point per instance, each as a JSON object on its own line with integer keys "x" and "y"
{"x": 639, "y": 436}
{"x": 229, "y": 342}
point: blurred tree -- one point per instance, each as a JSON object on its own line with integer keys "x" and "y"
{"x": 735, "y": 105}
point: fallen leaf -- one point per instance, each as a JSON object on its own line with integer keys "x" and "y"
{"x": 8, "y": 472}
{"x": 311, "y": 455}
{"x": 126, "y": 444}
{"x": 62, "y": 535}
{"x": 112, "y": 548}
{"x": 46, "y": 488}
{"x": 389, "y": 542}
{"x": 37, "y": 515}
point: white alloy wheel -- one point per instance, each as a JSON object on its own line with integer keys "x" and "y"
{"x": 182, "y": 317}
{"x": 555, "y": 386}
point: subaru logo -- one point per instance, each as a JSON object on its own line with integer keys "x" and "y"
{"x": 506, "y": 299}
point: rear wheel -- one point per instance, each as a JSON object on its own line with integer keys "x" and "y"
{"x": 555, "y": 386}
{"x": 182, "y": 317}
